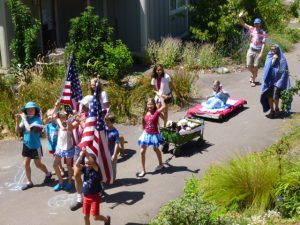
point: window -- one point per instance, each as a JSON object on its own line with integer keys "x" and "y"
{"x": 177, "y": 6}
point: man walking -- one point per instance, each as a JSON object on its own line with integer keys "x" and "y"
{"x": 256, "y": 46}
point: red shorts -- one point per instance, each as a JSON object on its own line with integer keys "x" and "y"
{"x": 91, "y": 205}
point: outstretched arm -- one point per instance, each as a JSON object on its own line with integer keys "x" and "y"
{"x": 163, "y": 104}
{"x": 245, "y": 25}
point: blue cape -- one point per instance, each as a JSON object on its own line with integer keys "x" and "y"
{"x": 274, "y": 75}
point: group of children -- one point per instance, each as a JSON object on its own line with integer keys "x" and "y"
{"x": 59, "y": 128}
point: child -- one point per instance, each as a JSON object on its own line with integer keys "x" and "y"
{"x": 65, "y": 148}
{"x": 113, "y": 141}
{"x": 52, "y": 134}
{"x": 162, "y": 86}
{"x": 32, "y": 149}
{"x": 91, "y": 188}
{"x": 151, "y": 135}
{"x": 218, "y": 99}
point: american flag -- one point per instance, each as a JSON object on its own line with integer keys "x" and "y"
{"x": 71, "y": 94}
{"x": 94, "y": 138}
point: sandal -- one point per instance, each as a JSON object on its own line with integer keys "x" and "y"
{"x": 271, "y": 115}
{"x": 141, "y": 174}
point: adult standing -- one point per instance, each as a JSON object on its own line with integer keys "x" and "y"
{"x": 256, "y": 46}
{"x": 162, "y": 86}
{"x": 275, "y": 79}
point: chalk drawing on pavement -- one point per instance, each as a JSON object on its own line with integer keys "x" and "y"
{"x": 61, "y": 200}
{"x": 18, "y": 181}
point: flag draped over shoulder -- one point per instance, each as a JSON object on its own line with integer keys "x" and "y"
{"x": 94, "y": 138}
{"x": 71, "y": 94}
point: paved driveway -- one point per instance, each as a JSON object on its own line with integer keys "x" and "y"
{"x": 135, "y": 201}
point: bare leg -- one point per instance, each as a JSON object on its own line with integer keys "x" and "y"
{"x": 143, "y": 157}
{"x": 158, "y": 154}
{"x": 276, "y": 102}
{"x": 87, "y": 219}
{"x": 78, "y": 180}
{"x": 56, "y": 162}
{"x": 38, "y": 163}
{"x": 101, "y": 217}
{"x": 254, "y": 73}
{"x": 270, "y": 101}
{"x": 26, "y": 161}
{"x": 250, "y": 68}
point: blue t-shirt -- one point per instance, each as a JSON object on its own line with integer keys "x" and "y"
{"x": 32, "y": 138}
{"x": 52, "y": 132}
{"x": 91, "y": 181}
{"x": 113, "y": 138}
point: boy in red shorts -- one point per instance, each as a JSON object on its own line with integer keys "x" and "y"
{"x": 91, "y": 188}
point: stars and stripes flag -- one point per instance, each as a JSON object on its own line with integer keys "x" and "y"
{"x": 71, "y": 94}
{"x": 94, "y": 138}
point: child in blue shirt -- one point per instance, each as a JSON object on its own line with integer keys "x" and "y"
{"x": 91, "y": 187}
{"x": 32, "y": 148}
{"x": 113, "y": 141}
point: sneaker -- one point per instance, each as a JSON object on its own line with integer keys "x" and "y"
{"x": 159, "y": 167}
{"x": 47, "y": 178}
{"x": 76, "y": 205}
{"x": 27, "y": 186}
{"x": 68, "y": 187}
{"x": 58, "y": 187}
{"x": 108, "y": 221}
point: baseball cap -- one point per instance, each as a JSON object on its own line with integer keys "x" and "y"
{"x": 257, "y": 21}
{"x": 87, "y": 100}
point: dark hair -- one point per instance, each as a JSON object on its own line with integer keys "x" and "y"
{"x": 111, "y": 117}
{"x": 152, "y": 100}
{"x": 154, "y": 73}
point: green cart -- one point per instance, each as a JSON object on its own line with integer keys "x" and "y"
{"x": 177, "y": 139}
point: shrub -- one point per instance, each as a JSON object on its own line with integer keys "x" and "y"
{"x": 26, "y": 30}
{"x": 189, "y": 209}
{"x": 288, "y": 191}
{"x": 183, "y": 81}
{"x": 166, "y": 52}
{"x": 246, "y": 182}
{"x": 117, "y": 60}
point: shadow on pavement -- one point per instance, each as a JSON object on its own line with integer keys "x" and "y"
{"x": 191, "y": 148}
{"x": 128, "y": 155}
{"x": 169, "y": 168}
{"x": 123, "y": 197}
{"x": 126, "y": 182}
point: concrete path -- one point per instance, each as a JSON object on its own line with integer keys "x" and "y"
{"x": 133, "y": 201}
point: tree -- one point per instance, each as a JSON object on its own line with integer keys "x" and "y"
{"x": 26, "y": 30}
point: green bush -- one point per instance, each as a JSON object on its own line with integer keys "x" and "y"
{"x": 117, "y": 60}
{"x": 183, "y": 88}
{"x": 189, "y": 209}
{"x": 26, "y": 30}
{"x": 166, "y": 52}
{"x": 247, "y": 182}
{"x": 288, "y": 191}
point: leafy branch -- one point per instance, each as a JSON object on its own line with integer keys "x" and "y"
{"x": 286, "y": 96}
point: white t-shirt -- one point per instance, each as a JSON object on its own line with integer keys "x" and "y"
{"x": 164, "y": 85}
{"x": 103, "y": 100}
{"x": 64, "y": 139}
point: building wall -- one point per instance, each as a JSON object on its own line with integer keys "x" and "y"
{"x": 162, "y": 24}
{"x": 124, "y": 16}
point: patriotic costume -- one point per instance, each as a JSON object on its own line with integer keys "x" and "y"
{"x": 151, "y": 135}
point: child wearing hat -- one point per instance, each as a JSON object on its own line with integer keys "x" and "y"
{"x": 31, "y": 124}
